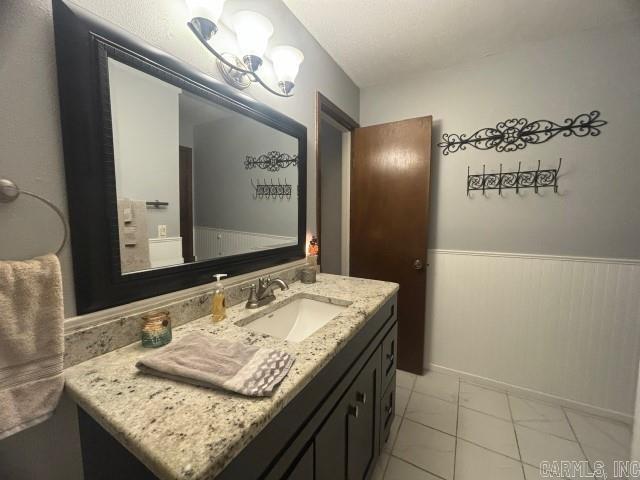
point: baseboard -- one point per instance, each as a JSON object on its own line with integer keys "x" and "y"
{"x": 534, "y": 394}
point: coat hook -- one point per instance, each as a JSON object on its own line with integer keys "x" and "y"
{"x": 484, "y": 178}
{"x": 535, "y": 179}
{"x": 555, "y": 179}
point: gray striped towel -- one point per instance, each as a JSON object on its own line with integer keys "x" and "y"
{"x": 205, "y": 361}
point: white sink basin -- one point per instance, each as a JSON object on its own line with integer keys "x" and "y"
{"x": 296, "y": 320}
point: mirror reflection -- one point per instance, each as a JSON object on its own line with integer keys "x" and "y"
{"x": 195, "y": 181}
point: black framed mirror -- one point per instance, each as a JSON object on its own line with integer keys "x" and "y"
{"x": 171, "y": 175}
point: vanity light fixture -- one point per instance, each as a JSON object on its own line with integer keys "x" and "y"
{"x": 253, "y": 32}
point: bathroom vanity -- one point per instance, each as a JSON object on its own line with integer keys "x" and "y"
{"x": 224, "y": 176}
{"x": 328, "y": 419}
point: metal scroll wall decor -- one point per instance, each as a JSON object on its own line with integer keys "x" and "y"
{"x": 535, "y": 179}
{"x": 272, "y": 161}
{"x": 271, "y": 190}
{"x": 516, "y": 133}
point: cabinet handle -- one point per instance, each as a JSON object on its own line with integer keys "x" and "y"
{"x": 361, "y": 397}
{"x": 388, "y": 416}
{"x": 354, "y": 411}
{"x": 391, "y": 357}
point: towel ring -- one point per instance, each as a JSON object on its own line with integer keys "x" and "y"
{"x": 9, "y": 192}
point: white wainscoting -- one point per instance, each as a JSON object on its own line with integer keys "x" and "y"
{"x": 566, "y": 328}
{"x": 218, "y": 242}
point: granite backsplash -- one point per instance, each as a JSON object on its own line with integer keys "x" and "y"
{"x": 82, "y": 344}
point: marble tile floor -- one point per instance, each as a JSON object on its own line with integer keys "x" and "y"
{"x": 448, "y": 429}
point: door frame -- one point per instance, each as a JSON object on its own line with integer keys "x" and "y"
{"x": 189, "y": 206}
{"x": 326, "y": 107}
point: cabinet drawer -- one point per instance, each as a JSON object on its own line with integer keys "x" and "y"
{"x": 389, "y": 356}
{"x": 387, "y": 412}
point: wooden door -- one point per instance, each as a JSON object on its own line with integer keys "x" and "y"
{"x": 186, "y": 203}
{"x": 390, "y": 175}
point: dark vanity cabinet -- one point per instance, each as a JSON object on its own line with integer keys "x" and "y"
{"x": 344, "y": 433}
{"x": 334, "y": 429}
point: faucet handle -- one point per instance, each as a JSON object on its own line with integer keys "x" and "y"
{"x": 252, "y": 301}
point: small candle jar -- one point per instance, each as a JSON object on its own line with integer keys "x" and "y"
{"x": 308, "y": 275}
{"x": 156, "y": 330}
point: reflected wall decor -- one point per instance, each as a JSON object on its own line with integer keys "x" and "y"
{"x": 270, "y": 190}
{"x": 271, "y": 161}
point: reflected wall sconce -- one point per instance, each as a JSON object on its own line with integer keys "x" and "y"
{"x": 253, "y": 32}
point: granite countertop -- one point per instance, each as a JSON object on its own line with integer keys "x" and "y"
{"x": 183, "y": 431}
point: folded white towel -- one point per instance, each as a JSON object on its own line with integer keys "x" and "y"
{"x": 31, "y": 342}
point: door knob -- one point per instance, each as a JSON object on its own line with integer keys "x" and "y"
{"x": 417, "y": 264}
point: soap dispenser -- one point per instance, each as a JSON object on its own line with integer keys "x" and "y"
{"x": 217, "y": 302}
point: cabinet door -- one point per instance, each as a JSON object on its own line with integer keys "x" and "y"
{"x": 363, "y": 420}
{"x": 389, "y": 356}
{"x": 346, "y": 446}
{"x": 303, "y": 469}
{"x": 331, "y": 445}
{"x": 387, "y": 411}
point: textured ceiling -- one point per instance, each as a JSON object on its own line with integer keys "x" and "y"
{"x": 375, "y": 41}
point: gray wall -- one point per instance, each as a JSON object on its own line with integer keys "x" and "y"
{"x": 597, "y": 212}
{"x": 31, "y": 147}
{"x": 331, "y": 183}
{"x": 145, "y": 143}
{"x": 223, "y": 196}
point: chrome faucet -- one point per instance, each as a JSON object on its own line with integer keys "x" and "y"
{"x": 264, "y": 292}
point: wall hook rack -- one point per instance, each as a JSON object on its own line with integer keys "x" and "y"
{"x": 516, "y": 133}
{"x": 271, "y": 190}
{"x": 535, "y": 179}
{"x": 157, "y": 204}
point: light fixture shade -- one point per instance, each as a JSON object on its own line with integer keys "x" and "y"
{"x": 286, "y": 62}
{"x": 209, "y": 9}
{"x": 253, "y": 31}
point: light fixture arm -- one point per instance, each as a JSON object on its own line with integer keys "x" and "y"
{"x": 196, "y": 31}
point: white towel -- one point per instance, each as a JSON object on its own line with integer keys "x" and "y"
{"x": 31, "y": 342}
